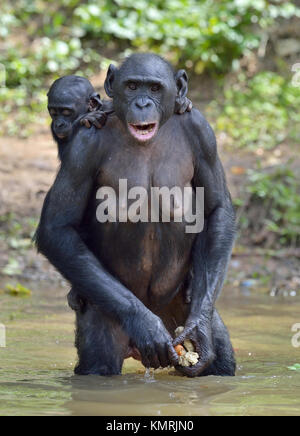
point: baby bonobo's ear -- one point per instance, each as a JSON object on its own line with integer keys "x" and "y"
{"x": 95, "y": 103}
{"x": 182, "y": 103}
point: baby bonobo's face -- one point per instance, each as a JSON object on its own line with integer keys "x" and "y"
{"x": 64, "y": 111}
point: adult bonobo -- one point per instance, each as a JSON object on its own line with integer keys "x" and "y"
{"x": 72, "y": 102}
{"x": 134, "y": 274}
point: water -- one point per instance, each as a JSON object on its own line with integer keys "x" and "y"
{"x": 36, "y": 367}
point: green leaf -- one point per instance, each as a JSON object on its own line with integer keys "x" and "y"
{"x": 18, "y": 290}
{"x": 295, "y": 367}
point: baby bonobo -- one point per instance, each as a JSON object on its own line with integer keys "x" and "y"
{"x": 72, "y": 102}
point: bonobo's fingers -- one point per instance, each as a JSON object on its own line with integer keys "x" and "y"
{"x": 86, "y": 123}
{"x": 190, "y": 106}
{"x": 99, "y": 119}
{"x": 96, "y": 118}
{"x": 153, "y": 341}
{"x": 200, "y": 335}
{"x": 187, "y": 106}
{"x": 173, "y": 356}
{"x": 183, "y": 105}
{"x": 97, "y": 124}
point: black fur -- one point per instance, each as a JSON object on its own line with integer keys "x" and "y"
{"x": 134, "y": 277}
{"x": 73, "y": 101}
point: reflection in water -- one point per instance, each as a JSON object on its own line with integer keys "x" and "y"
{"x": 36, "y": 367}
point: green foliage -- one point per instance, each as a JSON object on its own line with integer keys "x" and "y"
{"x": 295, "y": 367}
{"x": 204, "y": 33}
{"x": 275, "y": 204}
{"x": 47, "y": 39}
{"x": 261, "y": 112}
{"x": 17, "y": 234}
{"x": 18, "y": 290}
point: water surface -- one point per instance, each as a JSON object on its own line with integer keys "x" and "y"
{"x": 36, "y": 367}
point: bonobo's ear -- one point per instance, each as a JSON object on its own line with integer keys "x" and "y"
{"x": 95, "y": 102}
{"x": 181, "y": 80}
{"x": 108, "y": 84}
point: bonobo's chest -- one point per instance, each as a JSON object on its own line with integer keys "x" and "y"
{"x": 166, "y": 162}
{"x": 134, "y": 232}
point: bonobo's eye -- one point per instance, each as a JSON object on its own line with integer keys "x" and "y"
{"x": 52, "y": 112}
{"x": 155, "y": 87}
{"x": 132, "y": 86}
{"x": 67, "y": 112}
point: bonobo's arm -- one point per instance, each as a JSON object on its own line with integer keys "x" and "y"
{"x": 97, "y": 117}
{"x": 58, "y": 239}
{"x": 213, "y": 246}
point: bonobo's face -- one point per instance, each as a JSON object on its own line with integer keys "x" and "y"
{"x": 69, "y": 98}
{"x": 64, "y": 111}
{"x": 144, "y": 92}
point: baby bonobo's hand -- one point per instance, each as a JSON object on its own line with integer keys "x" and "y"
{"x": 96, "y": 118}
{"x": 153, "y": 341}
{"x": 183, "y": 105}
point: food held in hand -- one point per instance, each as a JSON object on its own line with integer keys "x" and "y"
{"x": 186, "y": 353}
{"x": 180, "y": 350}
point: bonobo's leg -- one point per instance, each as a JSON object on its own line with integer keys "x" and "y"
{"x": 100, "y": 342}
{"x": 176, "y": 313}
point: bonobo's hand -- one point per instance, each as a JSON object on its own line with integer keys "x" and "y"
{"x": 199, "y": 332}
{"x": 96, "y": 118}
{"x": 153, "y": 341}
{"x": 183, "y": 105}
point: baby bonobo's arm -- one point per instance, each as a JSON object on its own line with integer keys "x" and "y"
{"x": 97, "y": 116}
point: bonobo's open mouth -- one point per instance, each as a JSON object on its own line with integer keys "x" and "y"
{"x": 143, "y": 131}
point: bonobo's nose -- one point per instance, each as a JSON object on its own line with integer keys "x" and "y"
{"x": 59, "y": 124}
{"x": 143, "y": 102}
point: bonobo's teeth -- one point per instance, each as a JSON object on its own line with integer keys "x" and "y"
{"x": 143, "y": 132}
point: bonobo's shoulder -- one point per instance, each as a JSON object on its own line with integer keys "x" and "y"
{"x": 202, "y": 135}
{"x": 84, "y": 149}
